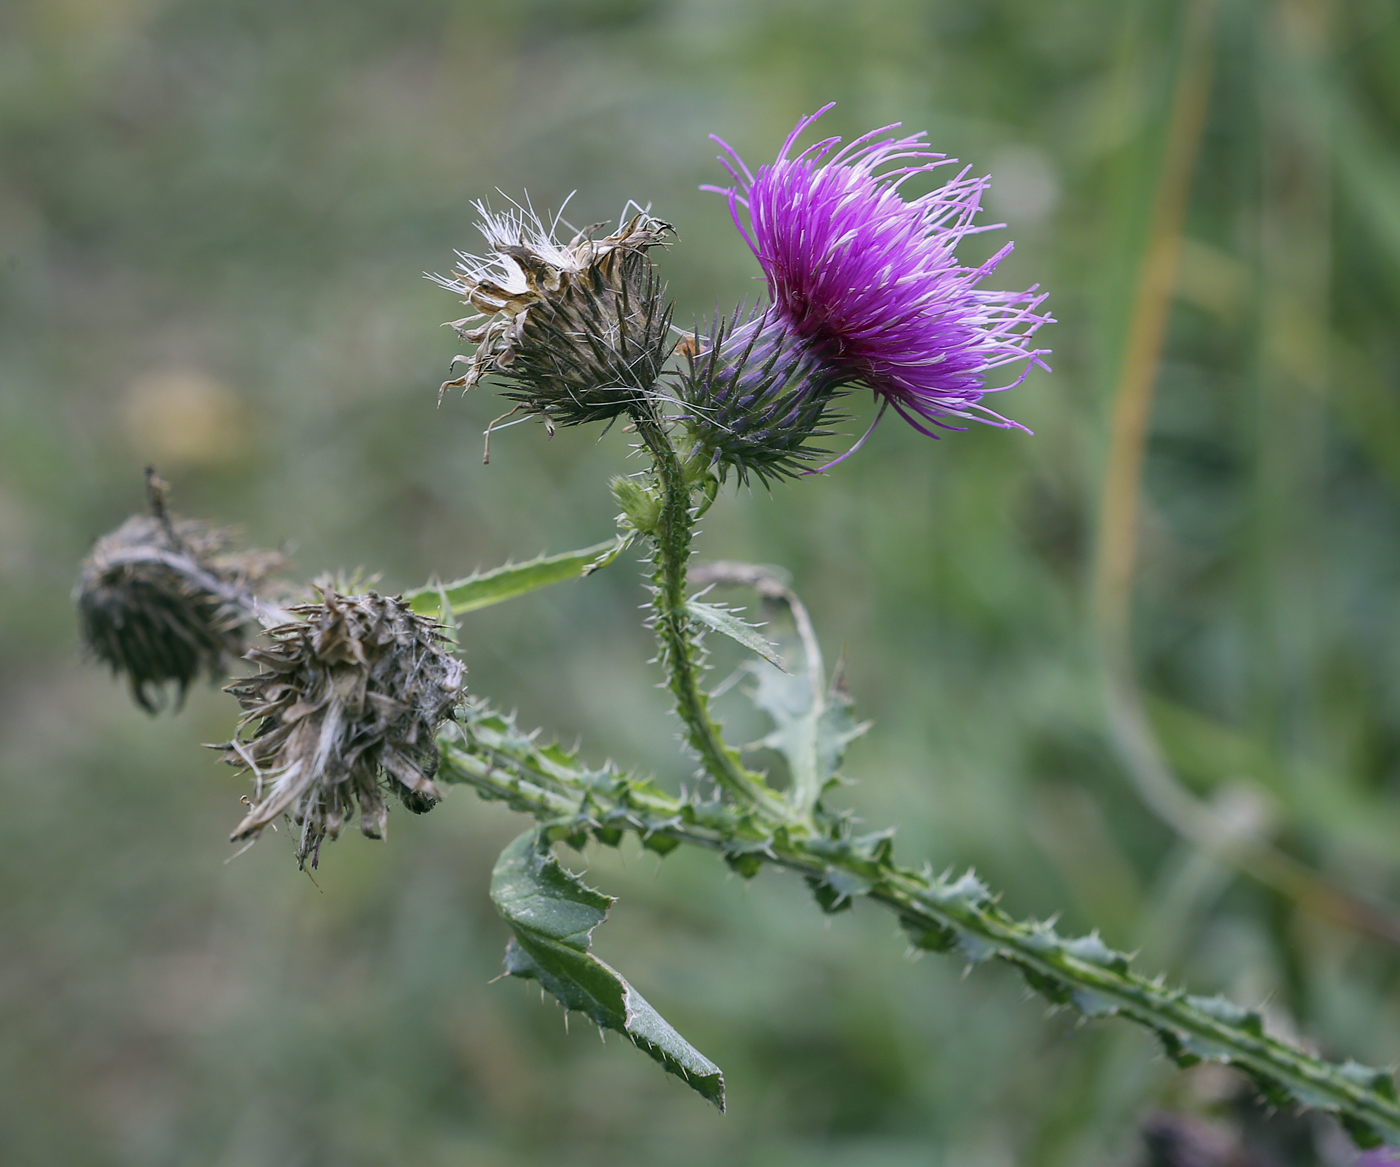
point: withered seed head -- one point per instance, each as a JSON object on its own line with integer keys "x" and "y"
{"x": 346, "y": 708}
{"x": 579, "y": 331}
{"x": 596, "y": 349}
{"x": 162, "y": 599}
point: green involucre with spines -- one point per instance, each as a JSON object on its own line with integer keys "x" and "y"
{"x": 756, "y": 397}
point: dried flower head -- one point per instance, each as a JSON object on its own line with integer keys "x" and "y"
{"x": 870, "y": 281}
{"x": 345, "y": 709}
{"x": 755, "y": 396}
{"x": 578, "y": 330}
{"x": 162, "y": 600}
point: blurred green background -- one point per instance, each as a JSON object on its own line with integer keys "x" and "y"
{"x": 213, "y": 219}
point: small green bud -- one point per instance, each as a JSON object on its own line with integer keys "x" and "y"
{"x": 641, "y": 505}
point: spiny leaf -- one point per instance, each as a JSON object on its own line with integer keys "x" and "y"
{"x": 723, "y": 620}
{"x": 485, "y": 588}
{"x": 1051, "y": 988}
{"x": 1092, "y": 949}
{"x": 938, "y": 913}
{"x": 929, "y": 936}
{"x": 836, "y": 890}
{"x": 553, "y": 915}
{"x": 661, "y": 844}
{"x": 1380, "y": 1081}
{"x": 537, "y": 895}
{"x": 811, "y": 733}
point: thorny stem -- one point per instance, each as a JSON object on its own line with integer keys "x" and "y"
{"x": 488, "y": 753}
{"x": 680, "y": 654}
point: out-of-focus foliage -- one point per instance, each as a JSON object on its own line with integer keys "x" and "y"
{"x": 213, "y": 216}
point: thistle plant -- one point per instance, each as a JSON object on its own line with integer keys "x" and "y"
{"x": 360, "y": 695}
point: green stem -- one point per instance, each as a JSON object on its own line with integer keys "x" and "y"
{"x": 489, "y": 753}
{"x": 680, "y": 653}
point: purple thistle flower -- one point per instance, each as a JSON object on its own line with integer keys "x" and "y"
{"x": 870, "y": 280}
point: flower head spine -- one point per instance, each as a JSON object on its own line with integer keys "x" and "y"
{"x": 755, "y": 395}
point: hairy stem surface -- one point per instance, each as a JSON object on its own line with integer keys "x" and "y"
{"x": 680, "y": 652}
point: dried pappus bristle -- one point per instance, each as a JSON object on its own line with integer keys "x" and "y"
{"x": 162, "y": 600}
{"x": 756, "y": 395}
{"x": 579, "y": 331}
{"x": 346, "y": 708}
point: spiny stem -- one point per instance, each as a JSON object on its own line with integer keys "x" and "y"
{"x": 679, "y": 651}
{"x": 489, "y": 753}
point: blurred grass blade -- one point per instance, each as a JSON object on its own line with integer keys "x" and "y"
{"x": 1133, "y": 733}
{"x": 1365, "y": 159}
{"x": 485, "y": 588}
{"x": 553, "y": 915}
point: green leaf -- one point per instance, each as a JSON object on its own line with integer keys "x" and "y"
{"x": 723, "y": 620}
{"x": 553, "y": 915}
{"x": 811, "y": 732}
{"x": 514, "y": 579}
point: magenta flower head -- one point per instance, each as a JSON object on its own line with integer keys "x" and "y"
{"x": 868, "y": 280}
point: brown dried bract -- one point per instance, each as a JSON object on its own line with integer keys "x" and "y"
{"x": 578, "y": 329}
{"x": 346, "y": 708}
